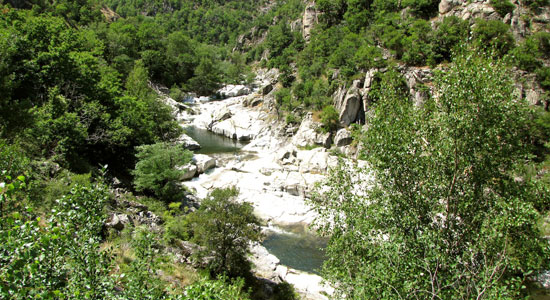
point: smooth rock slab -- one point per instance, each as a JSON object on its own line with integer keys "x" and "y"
{"x": 204, "y": 162}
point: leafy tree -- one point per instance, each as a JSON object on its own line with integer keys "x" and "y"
{"x": 225, "y": 228}
{"x": 438, "y": 213}
{"x": 206, "y": 79}
{"x": 450, "y": 33}
{"x": 157, "y": 170}
{"x": 493, "y": 35}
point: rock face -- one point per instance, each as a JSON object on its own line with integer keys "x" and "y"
{"x": 343, "y": 138}
{"x": 309, "y": 20}
{"x": 309, "y": 134}
{"x": 350, "y": 106}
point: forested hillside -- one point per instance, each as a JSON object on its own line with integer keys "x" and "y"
{"x": 437, "y": 110}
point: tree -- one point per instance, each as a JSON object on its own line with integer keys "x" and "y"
{"x": 157, "y": 169}
{"x": 437, "y": 214}
{"x": 225, "y": 228}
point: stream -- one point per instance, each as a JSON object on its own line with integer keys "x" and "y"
{"x": 293, "y": 246}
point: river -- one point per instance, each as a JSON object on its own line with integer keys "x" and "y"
{"x": 294, "y": 246}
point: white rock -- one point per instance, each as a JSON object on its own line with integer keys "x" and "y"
{"x": 187, "y": 142}
{"x": 230, "y": 90}
{"x": 190, "y": 171}
{"x": 343, "y": 138}
{"x": 309, "y": 285}
{"x": 204, "y": 162}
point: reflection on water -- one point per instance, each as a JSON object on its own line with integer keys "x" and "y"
{"x": 299, "y": 250}
{"x": 212, "y": 143}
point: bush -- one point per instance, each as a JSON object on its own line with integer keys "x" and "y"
{"x": 157, "y": 170}
{"x": 543, "y": 76}
{"x": 503, "y": 7}
{"x": 493, "y": 35}
{"x": 452, "y": 31}
{"x": 330, "y": 118}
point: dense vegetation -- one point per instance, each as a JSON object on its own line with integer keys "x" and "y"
{"x": 76, "y": 95}
{"x": 458, "y": 186}
{"x": 440, "y": 212}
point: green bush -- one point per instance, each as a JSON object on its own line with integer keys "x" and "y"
{"x": 450, "y": 33}
{"x": 543, "y": 76}
{"x": 503, "y": 7}
{"x": 330, "y": 118}
{"x": 493, "y": 35}
{"x": 157, "y": 170}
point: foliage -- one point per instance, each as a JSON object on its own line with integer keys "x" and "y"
{"x": 225, "y": 228}
{"x": 450, "y": 33}
{"x": 159, "y": 170}
{"x": 59, "y": 257}
{"x": 493, "y": 35}
{"x": 330, "y": 118}
{"x": 222, "y": 289}
{"x": 439, "y": 194}
{"x": 503, "y": 7}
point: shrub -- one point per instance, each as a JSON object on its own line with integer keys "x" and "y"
{"x": 329, "y": 118}
{"x": 493, "y": 35}
{"x": 157, "y": 170}
{"x": 452, "y": 31}
{"x": 503, "y": 7}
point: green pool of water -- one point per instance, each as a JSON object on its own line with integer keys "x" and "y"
{"x": 301, "y": 251}
{"x": 212, "y": 143}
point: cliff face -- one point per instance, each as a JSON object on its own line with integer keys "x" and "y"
{"x": 353, "y": 101}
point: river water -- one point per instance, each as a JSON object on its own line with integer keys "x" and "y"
{"x": 296, "y": 248}
{"x": 293, "y": 246}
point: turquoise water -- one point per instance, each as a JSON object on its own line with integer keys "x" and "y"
{"x": 212, "y": 143}
{"x": 301, "y": 251}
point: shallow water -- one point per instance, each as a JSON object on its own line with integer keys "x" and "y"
{"x": 212, "y": 143}
{"x": 299, "y": 250}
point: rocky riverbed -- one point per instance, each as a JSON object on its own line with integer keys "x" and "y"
{"x": 274, "y": 171}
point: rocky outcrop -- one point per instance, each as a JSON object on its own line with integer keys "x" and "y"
{"x": 309, "y": 134}
{"x": 309, "y": 20}
{"x": 117, "y": 221}
{"x": 350, "y": 106}
{"x": 417, "y": 80}
{"x": 187, "y": 142}
{"x": 234, "y": 91}
{"x": 468, "y": 10}
{"x": 204, "y": 162}
{"x": 343, "y": 138}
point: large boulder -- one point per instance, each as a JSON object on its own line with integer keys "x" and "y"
{"x": 190, "y": 171}
{"x": 117, "y": 221}
{"x": 204, "y": 162}
{"x": 343, "y": 138}
{"x": 230, "y": 90}
{"x": 350, "y": 107}
{"x": 188, "y": 142}
{"x": 309, "y": 134}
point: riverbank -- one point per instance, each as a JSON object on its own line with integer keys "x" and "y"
{"x": 271, "y": 172}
